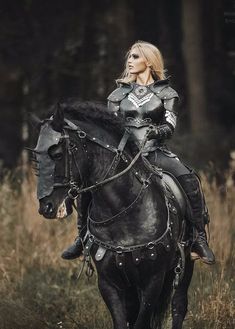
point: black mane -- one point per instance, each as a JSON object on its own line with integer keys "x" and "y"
{"x": 93, "y": 112}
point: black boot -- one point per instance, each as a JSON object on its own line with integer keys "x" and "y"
{"x": 200, "y": 248}
{"x": 192, "y": 188}
{"x": 76, "y": 249}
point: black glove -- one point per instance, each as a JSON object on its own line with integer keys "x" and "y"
{"x": 152, "y": 132}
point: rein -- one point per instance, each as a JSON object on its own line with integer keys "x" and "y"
{"x": 75, "y": 190}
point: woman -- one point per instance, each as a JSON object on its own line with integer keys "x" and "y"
{"x": 145, "y": 98}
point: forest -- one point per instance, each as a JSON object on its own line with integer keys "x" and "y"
{"x": 54, "y": 50}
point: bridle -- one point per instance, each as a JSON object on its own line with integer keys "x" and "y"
{"x": 75, "y": 190}
{"x": 77, "y": 187}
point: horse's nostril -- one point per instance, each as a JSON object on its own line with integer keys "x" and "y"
{"x": 49, "y": 208}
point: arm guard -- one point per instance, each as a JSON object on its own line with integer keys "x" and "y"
{"x": 166, "y": 129}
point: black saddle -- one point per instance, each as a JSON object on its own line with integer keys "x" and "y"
{"x": 178, "y": 194}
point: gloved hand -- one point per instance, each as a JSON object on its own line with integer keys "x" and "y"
{"x": 152, "y": 132}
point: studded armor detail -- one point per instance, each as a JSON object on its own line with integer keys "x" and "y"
{"x": 154, "y": 104}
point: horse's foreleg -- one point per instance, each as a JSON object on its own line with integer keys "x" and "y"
{"x": 149, "y": 298}
{"x": 132, "y": 306}
{"x": 180, "y": 298}
{"x": 115, "y": 301}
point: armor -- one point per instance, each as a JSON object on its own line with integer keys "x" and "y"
{"x": 154, "y": 104}
{"x": 46, "y": 165}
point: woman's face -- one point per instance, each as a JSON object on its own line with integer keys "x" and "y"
{"x": 136, "y": 63}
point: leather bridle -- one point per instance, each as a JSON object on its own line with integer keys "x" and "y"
{"x": 76, "y": 188}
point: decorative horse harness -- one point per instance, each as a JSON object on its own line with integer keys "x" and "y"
{"x": 76, "y": 188}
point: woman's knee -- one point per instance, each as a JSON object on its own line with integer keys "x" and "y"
{"x": 173, "y": 165}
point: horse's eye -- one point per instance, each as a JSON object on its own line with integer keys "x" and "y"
{"x": 55, "y": 152}
{"x": 57, "y": 156}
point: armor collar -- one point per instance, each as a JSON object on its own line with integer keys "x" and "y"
{"x": 153, "y": 86}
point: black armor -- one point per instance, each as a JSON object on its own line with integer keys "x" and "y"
{"x": 48, "y": 138}
{"x": 155, "y": 104}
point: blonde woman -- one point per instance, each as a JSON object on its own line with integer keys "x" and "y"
{"x": 145, "y": 98}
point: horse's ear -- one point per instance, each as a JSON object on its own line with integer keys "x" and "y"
{"x": 58, "y": 118}
{"x": 34, "y": 120}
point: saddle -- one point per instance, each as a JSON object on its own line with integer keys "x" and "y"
{"x": 180, "y": 200}
{"x": 177, "y": 192}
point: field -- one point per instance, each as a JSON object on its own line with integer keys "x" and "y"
{"x": 39, "y": 290}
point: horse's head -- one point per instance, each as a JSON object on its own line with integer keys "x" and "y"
{"x": 54, "y": 165}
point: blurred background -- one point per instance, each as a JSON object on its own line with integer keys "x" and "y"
{"x": 50, "y": 50}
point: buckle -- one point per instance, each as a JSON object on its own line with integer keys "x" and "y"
{"x": 146, "y": 183}
{"x": 73, "y": 193}
{"x": 81, "y": 134}
{"x": 119, "y": 249}
{"x": 150, "y": 245}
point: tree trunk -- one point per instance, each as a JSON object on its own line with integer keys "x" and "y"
{"x": 11, "y": 116}
{"x": 194, "y": 63}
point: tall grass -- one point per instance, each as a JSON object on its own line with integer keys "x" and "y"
{"x": 40, "y": 290}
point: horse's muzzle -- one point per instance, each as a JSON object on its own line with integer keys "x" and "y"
{"x": 47, "y": 209}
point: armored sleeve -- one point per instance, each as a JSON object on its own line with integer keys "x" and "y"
{"x": 170, "y": 99}
{"x": 166, "y": 129}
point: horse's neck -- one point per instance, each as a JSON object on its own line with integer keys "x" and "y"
{"x": 148, "y": 211}
{"x": 119, "y": 194}
{"x": 136, "y": 220}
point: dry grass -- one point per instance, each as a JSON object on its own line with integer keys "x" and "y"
{"x": 40, "y": 290}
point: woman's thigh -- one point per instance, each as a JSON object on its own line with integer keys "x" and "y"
{"x": 169, "y": 163}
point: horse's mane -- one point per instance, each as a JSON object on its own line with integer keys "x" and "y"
{"x": 94, "y": 113}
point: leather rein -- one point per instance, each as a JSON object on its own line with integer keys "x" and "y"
{"x": 75, "y": 190}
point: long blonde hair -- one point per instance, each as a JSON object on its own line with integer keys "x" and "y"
{"x": 152, "y": 55}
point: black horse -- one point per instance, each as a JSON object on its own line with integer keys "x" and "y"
{"x": 134, "y": 223}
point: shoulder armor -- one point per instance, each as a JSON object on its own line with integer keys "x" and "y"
{"x": 168, "y": 93}
{"x": 164, "y": 91}
{"x": 120, "y": 93}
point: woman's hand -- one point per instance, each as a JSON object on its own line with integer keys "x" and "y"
{"x": 152, "y": 132}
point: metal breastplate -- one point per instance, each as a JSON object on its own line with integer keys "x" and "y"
{"x": 141, "y": 107}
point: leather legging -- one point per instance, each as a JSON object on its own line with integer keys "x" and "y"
{"x": 169, "y": 162}
{"x": 187, "y": 178}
